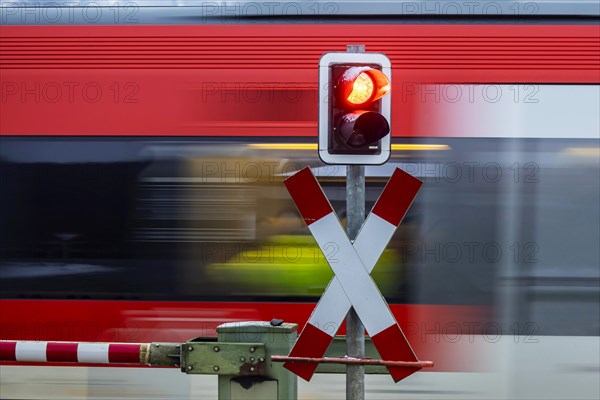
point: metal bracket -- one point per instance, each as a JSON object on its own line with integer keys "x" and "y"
{"x": 162, "y": 355}
{"x": 222, "y": 358}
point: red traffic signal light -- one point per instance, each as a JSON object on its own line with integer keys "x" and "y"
{"x": 360, "y": 85}
{"x": 354, "y": 112}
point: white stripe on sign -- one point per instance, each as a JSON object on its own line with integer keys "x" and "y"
{"x": 331, "y": 310}
{"x": 372, "y": 239}
{"x": 334, "y": 305}
{"x": 352, "y": 274}
{"x": 31, "y": 351}
{"x": 92, "y": 352}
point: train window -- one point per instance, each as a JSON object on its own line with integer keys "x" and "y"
{"x": 208, "y": 219}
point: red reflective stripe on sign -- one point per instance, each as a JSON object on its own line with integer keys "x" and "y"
{"x": 312, "y": 343}
{"x": 393, "y": 346}
{"x": 308, "y": 196}
{"x": 61, "y": 352}
{"x": 124, "y": 353}
{"x": 8, "y": 351}
{"x": 397, "y": 197}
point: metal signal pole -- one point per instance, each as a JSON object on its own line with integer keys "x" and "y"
{"x": 355, "y": 217}
{"x": 355, "y": 332}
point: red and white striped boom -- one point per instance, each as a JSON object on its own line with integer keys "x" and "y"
{"x": 96, "y": 353}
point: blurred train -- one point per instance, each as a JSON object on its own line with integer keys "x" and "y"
{"x": 143, "y": 148}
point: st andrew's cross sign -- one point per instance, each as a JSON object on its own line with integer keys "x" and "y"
{"x": 352, "y": 263}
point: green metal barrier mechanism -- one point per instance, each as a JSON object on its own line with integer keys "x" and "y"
{"x": 248, "y": 357}
{"x": 241, "y": 359}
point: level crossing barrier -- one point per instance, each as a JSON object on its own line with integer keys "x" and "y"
{"x": 247, "y": 358}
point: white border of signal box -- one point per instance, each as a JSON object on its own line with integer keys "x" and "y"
{"x": 333, "y": 58}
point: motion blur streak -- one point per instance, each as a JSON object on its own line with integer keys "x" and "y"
{"x": 314, "y": 146}
{"x": 141, "y": 164}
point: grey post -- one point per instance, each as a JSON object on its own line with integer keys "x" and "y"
{"x": 355, "y": 216}
{"x": 355, "y": 332}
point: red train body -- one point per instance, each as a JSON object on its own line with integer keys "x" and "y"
{"x": 246, "y": 81}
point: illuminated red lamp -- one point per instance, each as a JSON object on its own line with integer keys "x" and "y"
{"x": 360, "y": 86}
{"x": 361, "y": 124}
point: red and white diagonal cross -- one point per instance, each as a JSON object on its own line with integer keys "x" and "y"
{"x": 352, "y": 263}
